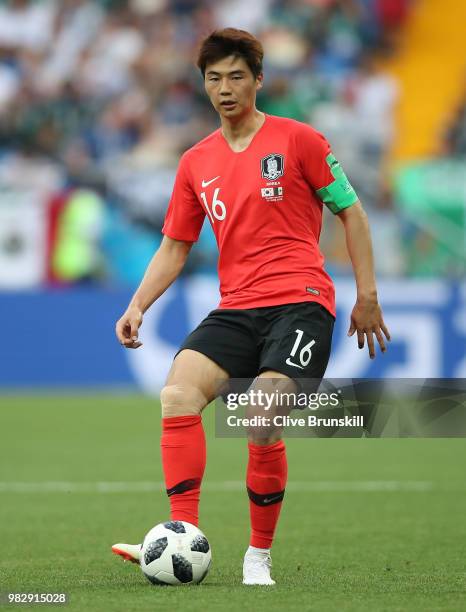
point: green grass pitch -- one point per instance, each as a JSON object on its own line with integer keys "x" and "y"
{"x": 377, "y": 524}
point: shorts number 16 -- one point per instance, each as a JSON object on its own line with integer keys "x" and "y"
{"x": 218, "y": 209}
{"x": 305, "y": 353}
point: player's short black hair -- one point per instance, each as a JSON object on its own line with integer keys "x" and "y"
{"x": 230, "y": 41}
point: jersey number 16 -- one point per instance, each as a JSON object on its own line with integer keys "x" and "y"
{"x": 217, "y": 208}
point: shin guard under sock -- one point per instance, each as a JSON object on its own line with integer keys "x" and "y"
{"x": 265, "y": 482}
{"x": 183, "y": 449}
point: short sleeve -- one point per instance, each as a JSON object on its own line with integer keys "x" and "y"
{"x": 323, "y": 172}
{"x": 185, "y": 214}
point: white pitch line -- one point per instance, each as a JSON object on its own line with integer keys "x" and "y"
{"x": 56, "y": 486}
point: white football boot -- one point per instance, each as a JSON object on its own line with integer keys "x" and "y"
{"x": 129, "y": 552}
{"x": 256, "y": 568}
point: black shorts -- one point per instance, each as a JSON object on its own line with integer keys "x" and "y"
{"x": 292, "y": 339}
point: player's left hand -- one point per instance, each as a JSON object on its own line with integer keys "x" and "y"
{"x": 366, "y": 319}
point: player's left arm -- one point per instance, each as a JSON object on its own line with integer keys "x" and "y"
{"x": 326, "y": 176}
{"x": 366, "y": 317}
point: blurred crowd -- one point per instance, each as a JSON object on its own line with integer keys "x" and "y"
{"x": 98, "y": 99}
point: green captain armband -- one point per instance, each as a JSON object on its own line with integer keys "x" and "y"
{"x": 339, "y": 194}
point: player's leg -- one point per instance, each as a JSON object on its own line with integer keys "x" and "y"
{"x": 297, "y": 343}
{"x": 266, "y": 475}
{"x": 193, "y": 382}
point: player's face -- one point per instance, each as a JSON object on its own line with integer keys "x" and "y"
{"x": 231, "y": 87}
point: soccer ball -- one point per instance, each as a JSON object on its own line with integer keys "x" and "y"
{"x": 175, "y": 553}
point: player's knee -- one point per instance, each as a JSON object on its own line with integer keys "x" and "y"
{"x": 181, "y": 400}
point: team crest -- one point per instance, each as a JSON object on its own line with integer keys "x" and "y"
{"x": 272, "y": 166}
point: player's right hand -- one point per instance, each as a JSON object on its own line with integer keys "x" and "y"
{"x": 127, "y": 328}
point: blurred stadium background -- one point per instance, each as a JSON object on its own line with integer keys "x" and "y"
{"x": 98, "y": 99}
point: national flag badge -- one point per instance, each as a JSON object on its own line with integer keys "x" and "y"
{"x": 272, "y": 193}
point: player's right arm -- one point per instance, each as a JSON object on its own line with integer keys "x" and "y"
{"x": 164, "y": 268}
{"x": 183, "y": 223}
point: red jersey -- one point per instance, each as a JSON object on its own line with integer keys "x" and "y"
{"x": 265, "y": 207}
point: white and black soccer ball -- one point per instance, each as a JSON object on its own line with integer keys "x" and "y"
{"x": 175, "y": 553}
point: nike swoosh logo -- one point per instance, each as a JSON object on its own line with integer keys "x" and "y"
{"x": 289, "y": 362}
{"x": 207, "y": 183}
{"x": 267, "y": 500}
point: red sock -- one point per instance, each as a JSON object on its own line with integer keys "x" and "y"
{"x": 183, "y": 458}
{"x": 265, "y": 482}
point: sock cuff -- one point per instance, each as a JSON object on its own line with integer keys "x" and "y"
{"x": 258, "y": 449}
{"x": 180, "y": 421}
{"x": 260, "y": 551}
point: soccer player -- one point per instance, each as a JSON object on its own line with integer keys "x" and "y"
{"x": 261, "y": 181}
